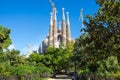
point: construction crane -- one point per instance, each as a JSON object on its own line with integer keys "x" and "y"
{"x": 53, "y": 6}
{"x": 81, "y": 17}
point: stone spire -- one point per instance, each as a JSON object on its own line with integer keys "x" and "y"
{"x": 63, "y": 28}
{"x": 51, "y": 19}
{"x": 68, "y": 34}
{"x": 50, "y": 39}
{"x": 63, "y": 14}
{"x": 54, "y": 14}
{"x": 67, "y": 20}
{"x": 55, "y": 28}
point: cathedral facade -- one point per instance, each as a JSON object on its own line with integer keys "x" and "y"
{"x": 57, "y": 33}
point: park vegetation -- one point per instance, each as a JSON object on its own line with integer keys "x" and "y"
{"x": 37, "y": 66}
{"x": 96, "y": 52}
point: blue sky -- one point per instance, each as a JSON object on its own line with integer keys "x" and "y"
{"x": 29, "y": 19}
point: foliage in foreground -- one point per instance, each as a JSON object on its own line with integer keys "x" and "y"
{"x": 14, "y": 66}
{"x": 5, "y": 40}
{"x": 97, "y": 51}
{"x": 25, "y": 70}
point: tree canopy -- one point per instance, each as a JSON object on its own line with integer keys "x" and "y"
{"x": 101, "y": 39}
{"x": 5, "y": 40}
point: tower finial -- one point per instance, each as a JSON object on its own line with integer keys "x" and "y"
{"x": 68, "y": 21}
{"x": 55, "y": 11}
{"x": 68, "y": 27}
{"x": 63, "y": 15}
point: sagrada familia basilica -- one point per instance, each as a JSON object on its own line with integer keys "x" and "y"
{"x": 57, "y": 35}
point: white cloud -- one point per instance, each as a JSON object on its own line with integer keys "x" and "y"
{"x": 28, "y": 50}
{"x": 11, "y": 47}
{"x": 35, "y": 47}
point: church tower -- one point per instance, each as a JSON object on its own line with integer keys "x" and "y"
{"x": 68, "y": 34}
{"x": 57, "y": 35}
{"x": 63, "y": 28}
{"x": 50, "y": 41}
{"x": 54, "y": 28}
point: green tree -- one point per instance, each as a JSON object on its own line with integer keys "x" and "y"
{"x": 81, "y": 56}
{"x": 5, "y": 70}
{"x": 14, "y": 57}
{"x": 67, "y": 54}
{"x": 108, "y": 67}
{"x": 102, "y": 35}
{"x": 36, "y": 58}
{"x": 51, "y": 58}
{"x": 5, "y": 40}
{"x": 104, "y": 30}
{"x": 60, "y": 58}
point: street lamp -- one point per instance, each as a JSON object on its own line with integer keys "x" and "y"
{"x": 75, "y": 66}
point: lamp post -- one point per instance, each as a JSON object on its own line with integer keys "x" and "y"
{"x": 75, "y": 70}
{"x": 75, "y": 75}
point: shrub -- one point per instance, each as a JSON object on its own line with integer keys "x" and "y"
{"x": 108, "y": 67}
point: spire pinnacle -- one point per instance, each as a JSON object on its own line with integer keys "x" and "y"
{"x": 51, "y": 18}
{"x": 55, "y": 11}
{"x": 63, "y": 15}
{"x": 68, "y": 21}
